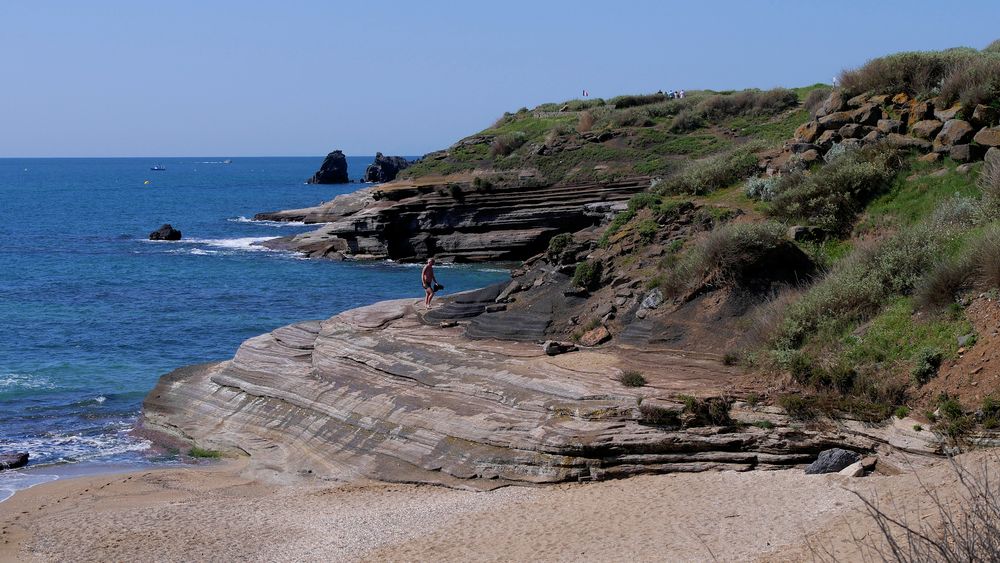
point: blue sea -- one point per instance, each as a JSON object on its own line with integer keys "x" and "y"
{"x": 92, "y": 312}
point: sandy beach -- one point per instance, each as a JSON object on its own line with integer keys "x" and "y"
{"x": 213, "y": 513}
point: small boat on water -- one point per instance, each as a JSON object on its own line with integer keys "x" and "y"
{"x": 158, "y": 167}
{"x": 227, "y": 161}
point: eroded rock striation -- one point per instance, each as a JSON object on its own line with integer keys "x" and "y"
{"x": 455, "y": 222}
{"x": 383, "y": 392}
{"x": 332, "y": 171}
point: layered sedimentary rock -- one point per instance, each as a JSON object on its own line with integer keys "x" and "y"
{"x": 384, "y": 392}
{"x": 332, "y": 171}
{"x": 459, "y": 222}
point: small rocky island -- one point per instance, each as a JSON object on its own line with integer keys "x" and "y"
{"x": 332, "y": 171}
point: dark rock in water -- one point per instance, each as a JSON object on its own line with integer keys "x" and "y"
{"x": 332, "y": 171}
{"x": 385, "y": 168}
{"x": 13, "y": 461}
{"x": 165, "y": 232}
{"x": 832, "y": 460}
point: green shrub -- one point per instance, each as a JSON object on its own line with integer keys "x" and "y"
{"x": 628, "y": 101}
{"x": 706, "y": 176}
{"x": 941, "y": 285}
{"x": 587, "y": 275}
{"x": 506, "y": 143}
{"x": 559, "y": 243}
{"x": 814, "y": 100}
{"x": 686, "y": 120}
{"x": 631, "y": 378}
{"x": 831, "y": 197}
{"x": 659, "y": 416}
{"x": 799, "y": 407}
{"x": 966, "y": 75}
{"x": 765, "y": 424}
{"x": 861, "y": 283}
{"x": 728, "y": 254}
{"x": 985, "y": 256}
{"x": 761, "y": 189}
{"x": 902, "y": 412}
{"x": 713, "y": 411}
{"x": 918, "y": 427}
{"x": 993, "y": 47}
{"x": 200, "y": 452}
{"x": 989, "y": 185}
{"x": 925, "y": 365}
{"x": 747, "y": 102}
{"x": 647, "y": 229}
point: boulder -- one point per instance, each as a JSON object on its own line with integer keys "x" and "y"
{"x": 834, "y": 102}
{"x": 881, "y": 99}
{"x": 800, "y": 233}
{"x": 854, "y": 131}
{"x": 947, "y": 114}
{"x": 890, "y": 126}
{"x": 926, "y": 129}
{"x": 653, "y": 299}
{"x": 165, "y": 232}
{"x": 992, "y": 157}
{"x": 832, "y": 460}
{"x": 807, "y": 132}
{"x": 954, "y": 132}
{"x": 827, "y": 139}
{"x": 385, "y": 168}
{"x": 930, "y": 157}
{"x": 810, "y": 156}
{"x": 873, "y": 137}
{"x": 332, "y": 171}
{"x": 856, "y": 469}
{"x": 836, "y": 120}
{"x": 595, "y": 336}
{"x": 901, "y": 99}
{"x": 907, "y": 142}
{"x": 868, "y": 114}
{"x": 798, "y": 148}
{"x": 857, "y": 101}
{"x": 988, "y": 136}
{"x": 984, "y": 116}
{"x": 13, "y": 461}
{"x": 965, "y": 153}
{"x": 554, "y": 348}
{"x": 921, "y": 111}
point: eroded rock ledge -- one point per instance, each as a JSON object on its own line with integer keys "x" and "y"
{"x": 378, "y": 392}
{"x": 456, "y": 221}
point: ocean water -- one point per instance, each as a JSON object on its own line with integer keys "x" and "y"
{"x": 92, "y": 313}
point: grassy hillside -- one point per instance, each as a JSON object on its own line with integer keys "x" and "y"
{"x": 902, "y": 245}
{"x": 626, "y": 136}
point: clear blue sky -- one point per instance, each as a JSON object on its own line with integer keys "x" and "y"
{"x": 302, "y": 77}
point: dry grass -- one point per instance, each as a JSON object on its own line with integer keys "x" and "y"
{"x": 586, "y": 122}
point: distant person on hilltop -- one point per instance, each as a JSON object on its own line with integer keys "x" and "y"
{"x": 680, "y": 94}
{"x": 429, "y": 282}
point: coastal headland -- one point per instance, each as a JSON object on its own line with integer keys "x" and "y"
{"x": 706, "y": 287}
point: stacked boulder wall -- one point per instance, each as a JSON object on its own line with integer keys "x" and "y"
{"x": 332, "y": 171}
{"x": 455, "y": 222}
{"x": 385, "y": 168}
{"x": 377, "y": 392}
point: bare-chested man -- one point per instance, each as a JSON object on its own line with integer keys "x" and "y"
{"x": 429, "y": 281}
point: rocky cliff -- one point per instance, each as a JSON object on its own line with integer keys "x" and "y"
{"x": 383, "y": 392}
{"x": 461, "y": 222}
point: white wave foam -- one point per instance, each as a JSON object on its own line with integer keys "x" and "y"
{"x": 73, "y": 447}
{"x": 100, "y": 399}
{"x": 13, "y": 481}
{"x": 12, "y": 381}
{"x": 244, "y": 243}
{"x": 242, "y": 219}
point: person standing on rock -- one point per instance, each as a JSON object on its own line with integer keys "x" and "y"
{"x": 429, "y": 282}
